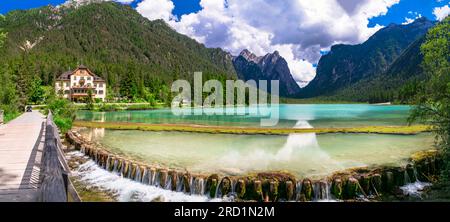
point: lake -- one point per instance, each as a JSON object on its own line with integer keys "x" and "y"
{"x": 304, "y": 155}
{"x": 322, "y": 115}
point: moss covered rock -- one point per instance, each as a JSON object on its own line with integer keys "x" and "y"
{"x": 307, "y": 189}
{"x": 337, "y": 188}
{"x": 240, "y": 188}
{"x": 351, "y": 188}
{"x": 225, "y": 186}
{"x": 290, "y": 190}
{"x": 388, "y": 181}
{"x": 186, "y": 183}
{"x": 375, "y": 181}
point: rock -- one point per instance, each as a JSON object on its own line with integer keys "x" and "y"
{"x": 126, "y": 168}
{"x": 290, "y": 190}
{"x": 336, "y": 188}
{"x": 173, "y": 180}
{"x": 410, "y": 173}
{"x": 240, "y": 188}
{"x": 273, "y": 190}
{"x": 364, "y": 181}
{"x": 120, "y": 165}
{"x": 211, "y": 185}
{"x": 258, "y": 192}
{"x": 186, "y": 183}
{"x": 399, "y": 176}
{"x": 225, "y": 186}
{"x": 132, "y": 172}
{"x": 388, "y": 181}
{"x": 307, "y": 189}
{"x": 112, "y": 161}
{"x": 351, "y": 188}
{"x": 376, "y": 183}
{"x": 213, "y": 188}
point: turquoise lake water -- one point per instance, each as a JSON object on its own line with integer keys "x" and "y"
{"x": 323, "y": 115}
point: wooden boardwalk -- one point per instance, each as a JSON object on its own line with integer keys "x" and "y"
{"x": 21, "y": 146}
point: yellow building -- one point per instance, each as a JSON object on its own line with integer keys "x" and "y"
{"x": 75, "y": 85}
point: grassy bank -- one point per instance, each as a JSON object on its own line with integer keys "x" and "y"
{"x": 10, "y": 116}
{"x": 400, "y": 130}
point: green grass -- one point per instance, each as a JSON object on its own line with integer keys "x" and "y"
{"x": 400, "y": 130}
{"x": 89, "y": 193}
{"x": 10, "y": 116}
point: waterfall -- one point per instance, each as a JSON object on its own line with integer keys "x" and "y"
{"x": 145, "y": 176}
{"x": 406, "y": 177}
{"x": 233, "y": 186}
{"x": 138, "y": 176}
{"x": 122, "y": 168}
{"x": 416, "y": 176}
{"x": 116, "y": 163}
{"x": 168, "y": 185}
{"x": 298, "y": 190}
{"x": 317, "y": 191}
{"x": 156, "y": 179}
{"x": 108, "y": 164}
{"x": 180, "y": 185}
{"x": 153, "y": 177}
{"x": 203, "y": 185}
{"x": 217, "y": 191}
{"x": 198, "y": 186}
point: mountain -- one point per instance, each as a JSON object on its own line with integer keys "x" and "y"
{"x": 346, "y": 65}
{"x": 113, "y": 40}
{"x": 269, "y": 67}
{"x": 405, "y": 71}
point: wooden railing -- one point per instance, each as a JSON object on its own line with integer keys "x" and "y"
{"x": 55, "y": 182}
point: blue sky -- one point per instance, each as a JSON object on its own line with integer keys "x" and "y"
{"x": 301, "y": 31}
{"x": 396, "y": 13}
{"x": 181, "y": 6}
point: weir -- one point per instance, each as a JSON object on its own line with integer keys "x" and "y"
{"x": 272, "y": 186}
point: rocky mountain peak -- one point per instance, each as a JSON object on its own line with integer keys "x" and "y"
{"x": 249, "y": 56}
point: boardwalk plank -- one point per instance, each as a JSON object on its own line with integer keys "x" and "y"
{"x": 21, "y": 145}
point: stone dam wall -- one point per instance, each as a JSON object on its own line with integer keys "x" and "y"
{"x": 270, "y": 186}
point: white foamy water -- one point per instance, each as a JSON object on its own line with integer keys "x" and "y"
{"x": 127, "y": 190}
{"x": 414, "y": 189}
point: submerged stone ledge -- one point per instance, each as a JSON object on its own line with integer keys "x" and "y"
{"x": 394, "y": 130}
{"x": 351, "y": 184}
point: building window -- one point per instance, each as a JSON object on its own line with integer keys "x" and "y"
{"x": 74, "y": 84}
{"x": 101, "y": 85}
{"x": 95, "y": 85}
{"x": 100, "y": 92}
{"x": 89, "y": 78}
{"x": 66, "y": 92}
{"x": 67, "y": 84}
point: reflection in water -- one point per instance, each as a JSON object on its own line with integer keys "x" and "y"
{"x": 301, "y": 148}
{"x": 95, "y": 133}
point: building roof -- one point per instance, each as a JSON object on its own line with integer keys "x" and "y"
{"x": 66, "y": 75}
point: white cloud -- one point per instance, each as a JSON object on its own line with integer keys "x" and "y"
{"x": 297, "y": 29}
{"x": 411, "y": 20}
{"x": 441, "y": 12}
{"x": 156, "y": 9}
{"x": 125, "y": 1}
